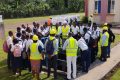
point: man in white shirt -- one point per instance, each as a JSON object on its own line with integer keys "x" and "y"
{"x": 75, "y": 30}
{"x": 81, "y": 27}
{"x": 9, "y": 41}
{"x": 85, "y": 55}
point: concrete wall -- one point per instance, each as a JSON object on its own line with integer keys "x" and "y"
{"x": 113, "y": 17}
{"x": 117, "y": 11}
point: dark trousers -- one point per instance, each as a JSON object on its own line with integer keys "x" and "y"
{"x": 94, "y": 52}
{"x": 85, "y": 60}
{"x": 104, "y": 53}
{"x": 52, "y": 62}
{"x": 10, "y": 60}
{"x": 109, "y": 50}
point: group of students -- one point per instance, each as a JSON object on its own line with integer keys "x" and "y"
{"x": 28, "y": 47}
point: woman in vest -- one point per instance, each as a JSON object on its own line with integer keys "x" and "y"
{"x": 35, "y": 57}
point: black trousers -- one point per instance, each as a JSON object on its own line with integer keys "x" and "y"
{"x": 52, "y": 62}
{"x": 85, "y": 60}
{"x": 94, "y": 52}
{"x": 104, "y": 53}
{"x": 10, "y": 59}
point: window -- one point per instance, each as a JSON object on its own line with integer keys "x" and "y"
{"x": 97, "y": 6}
{"x": 111, "y": 5}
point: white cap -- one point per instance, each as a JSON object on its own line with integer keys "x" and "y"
{"x": 65, "y": 22}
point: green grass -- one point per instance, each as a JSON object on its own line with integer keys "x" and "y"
{"x": 116, "y": 76}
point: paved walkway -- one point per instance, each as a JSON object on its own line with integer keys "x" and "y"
{"x": 99, "y": 69}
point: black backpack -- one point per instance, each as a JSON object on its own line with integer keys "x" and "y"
{"x": 91, "y": 40}
{"x": 50, "y": 47}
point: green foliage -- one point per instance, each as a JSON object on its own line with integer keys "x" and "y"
{"x": 84, "y": 19}
{"x": 30, "y": 8}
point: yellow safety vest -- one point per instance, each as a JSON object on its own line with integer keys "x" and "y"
{"x": 34, "y": 53}
{"x": 65, "y": 31}
{"x": 107, "y": 39}
{"x": 53, "y": 27}
{"x": 71, "y": 49}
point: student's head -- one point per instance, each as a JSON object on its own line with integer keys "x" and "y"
{"x": 10, "y": 33}
{"x": 60, "y": 23}
{"x": 89, "y": 24}
{"x": 23, "y": 26}
{"x": 74, "y": 24}
{"x": 15, "y": 41}
{"x": 70, "y": 34}
{"x": 109, "y": 26}
{"x": 37, "y": 25}
{"x": 23, "y": 37}
{"x": 35, "y": 31}
{"x": 27, "y": 37}
{"x": 34, "y": 24}
{"x": 85, "y": 30}
{"x": 18, "y": 29}
{"x": 23, "y": 33}
{"x": 46, "y": 24}
{"x": 35, "y": 38}
{"x": 31, "y": 36}
{"x": 95, "y": 26}
{"x": 18, "y": 35}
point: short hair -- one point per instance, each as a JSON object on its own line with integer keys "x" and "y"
{"x": 10, "y": 33}
{"x": 15, "y": 41}
{"x": 18, "y": 29}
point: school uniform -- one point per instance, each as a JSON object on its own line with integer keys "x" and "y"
{"x": 85, "y": 54}
{"x": 9, "y": 56}
{"x": 81, "y": 30}
{"x": 17, "y": 63}
{"x": 75, "y": 31}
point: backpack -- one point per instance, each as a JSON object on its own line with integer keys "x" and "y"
{"x": 50, "y": 47}
{"x": 5, "y": 47}
{"x": 17, "y": 51}
{"x": 91, "y": 40}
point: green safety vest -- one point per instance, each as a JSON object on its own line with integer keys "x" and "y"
{"x": 71, "y": 49}
{"x": 34, "y": 53}
{"x": 65, "y": 31}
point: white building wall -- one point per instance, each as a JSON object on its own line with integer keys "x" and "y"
{"x": 117, "y": 11}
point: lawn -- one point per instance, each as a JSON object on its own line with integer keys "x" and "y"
{"x": 116, "y": 76}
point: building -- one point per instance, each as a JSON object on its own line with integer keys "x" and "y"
{"x": 103, "y": 10}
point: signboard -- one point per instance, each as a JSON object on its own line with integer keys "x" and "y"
{"x": 1, "y": 20}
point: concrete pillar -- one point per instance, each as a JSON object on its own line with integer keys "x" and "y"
{"x": 86, "y": 7}
{"x": 104, "y": 10}
{"x": 2, "y": 30}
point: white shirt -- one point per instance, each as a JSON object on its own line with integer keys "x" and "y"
{"x": 96, "y": 33}
{"x": 75, "y": 30}
{"x": 40, "y": 43}
{"x": 28, "y": 43}
{"x": 81, "y": 30}
{"x": 9, "y": 41}
{"x": 82, "y": 44}
{"x": 87, "y": 35}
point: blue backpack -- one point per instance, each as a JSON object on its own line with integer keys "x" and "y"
{"x": 50, "y": 47}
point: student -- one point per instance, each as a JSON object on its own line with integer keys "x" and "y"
{"x": 28, "y": 43}
{"x": 111, "y": 39}
{"x": 85, "y": 54}
{"x": 35, "y": 57}
{"x": 9, "y": 41}
{"x": 81, "y": 27}
{"x": 18, "y": 31}
{"x": 17, "y": 49}
{"x": 51, "y": 49}
{"x": 71, "y": 47}
{"x": 75, "y": 30}
{"x": 95, "y": 36}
